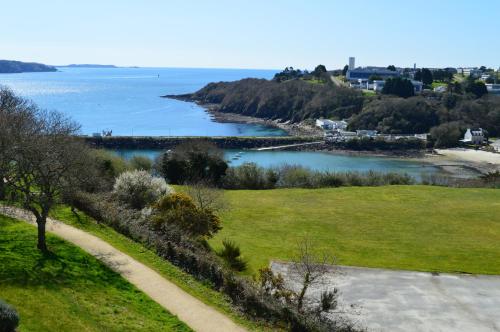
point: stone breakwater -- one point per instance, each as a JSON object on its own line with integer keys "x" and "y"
{"x": 148, "y": 142}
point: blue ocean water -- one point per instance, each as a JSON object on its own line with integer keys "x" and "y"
{"x": 127, "y": 100}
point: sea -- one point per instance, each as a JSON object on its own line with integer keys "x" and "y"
{"x": 127, "y": 101}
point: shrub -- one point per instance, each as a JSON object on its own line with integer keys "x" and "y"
{"x": 192, "y": 162}
{"x": 447, "y": 135}
{"x": 180, "y": 210}
{"x": 231, "y": 254}
{"x": 141, "y": 163}
{"x": 139, "y": 188}
{"x": 9, "y": 318}
{"x": 109, "y": 164}
{"x": 250, "y": 176}
{"x": 297, "y": 177}
{"x": 329, "y": 300}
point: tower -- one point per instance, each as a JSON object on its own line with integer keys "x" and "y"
{"x": 352, "y": 62}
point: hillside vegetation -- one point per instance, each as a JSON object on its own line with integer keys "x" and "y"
{"x": 292, "y": 97}
{"x": 69, "y": 290}
{"x": 393, "y": 115}
{"x": 8, "y": 66}
{"x": 294, "y": 100}
{"x": 399, "y": 227}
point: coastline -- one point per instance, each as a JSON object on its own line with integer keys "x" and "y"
{"x": 292, "y": 129}
{"x": 454, "y": 162}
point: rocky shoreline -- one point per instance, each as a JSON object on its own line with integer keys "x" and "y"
{"x": 292, "y": 129}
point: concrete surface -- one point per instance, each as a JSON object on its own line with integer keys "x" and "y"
{"x": 389, "y": 300}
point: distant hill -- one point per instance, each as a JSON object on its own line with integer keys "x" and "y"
{"x": 89, "y": 66}
{"x": 8, "y": 66}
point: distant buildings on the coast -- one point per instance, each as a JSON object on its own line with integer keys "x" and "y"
{"x": 336, "y": 131}
{"x": 373, "y": 77}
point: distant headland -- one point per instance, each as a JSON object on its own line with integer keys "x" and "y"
{"x": 12, "y": 67}
{"x": 86, "y": 65}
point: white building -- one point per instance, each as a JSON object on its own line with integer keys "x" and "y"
{"x": 493, "y": 88}
{"x": 331, "y": 124}
{"x": 417, "y": 86}
{"x": 484, "y": 77}
{"x": 352, "y": 63}
{"x": 378, "y": 85}
{"x": 469, "y": 71}
{"x": 474, "y": 136}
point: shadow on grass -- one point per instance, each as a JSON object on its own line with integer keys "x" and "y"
{"x": 21, "y": 263}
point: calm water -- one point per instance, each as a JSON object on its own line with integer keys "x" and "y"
{"x": 127, "y": 100}
{"x": 314, "y": 160}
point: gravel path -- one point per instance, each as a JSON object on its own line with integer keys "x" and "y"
{"x": 193, "y": 312}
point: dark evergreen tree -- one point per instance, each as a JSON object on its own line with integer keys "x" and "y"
{"x": 427, "y": 78}
{"x": 477, "y": 88}
{"x": 418, "y": 75}
{"x": 344, "y": 71}
{"x": 399, "y": 87}
{"x": 319, "y": 71}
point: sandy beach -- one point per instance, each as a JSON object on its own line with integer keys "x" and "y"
{"x": 474, "y": 156}
{"x": 465, "y": 162}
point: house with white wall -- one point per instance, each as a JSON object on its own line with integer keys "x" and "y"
{"x": 474, "y": 136}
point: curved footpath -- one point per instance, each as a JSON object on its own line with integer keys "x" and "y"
{"x": 193, "y": 312}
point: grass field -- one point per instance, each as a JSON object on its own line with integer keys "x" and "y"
{"x": 400, "y": 227}
{"x": 69, "y": 290}
{"x": 185, "y": 281}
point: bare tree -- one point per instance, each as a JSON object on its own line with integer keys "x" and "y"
{"x": 310, "y": 267}
{"x": 45, "y": 159}
{"x": 16, "y": 114}
{"x": 207, "y": 197}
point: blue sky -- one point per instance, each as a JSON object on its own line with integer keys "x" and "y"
{"x": 253, "y": 33}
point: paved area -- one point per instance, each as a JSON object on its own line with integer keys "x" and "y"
{"x": 196, "y": 314}
{"x": 388, "y": 300}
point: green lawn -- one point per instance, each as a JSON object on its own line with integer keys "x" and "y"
{"x": 436, "y": 84}
{"x": 368, "y": 92}
{"x": 148, "y": 257}
{"x": 400, "y": 227}
{"x": 69, "y": 290}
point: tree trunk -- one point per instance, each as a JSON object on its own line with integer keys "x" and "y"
{"x": 2, "y": 189}
{"x": 305, "y": 285}
{"x": 41, "y": 234}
